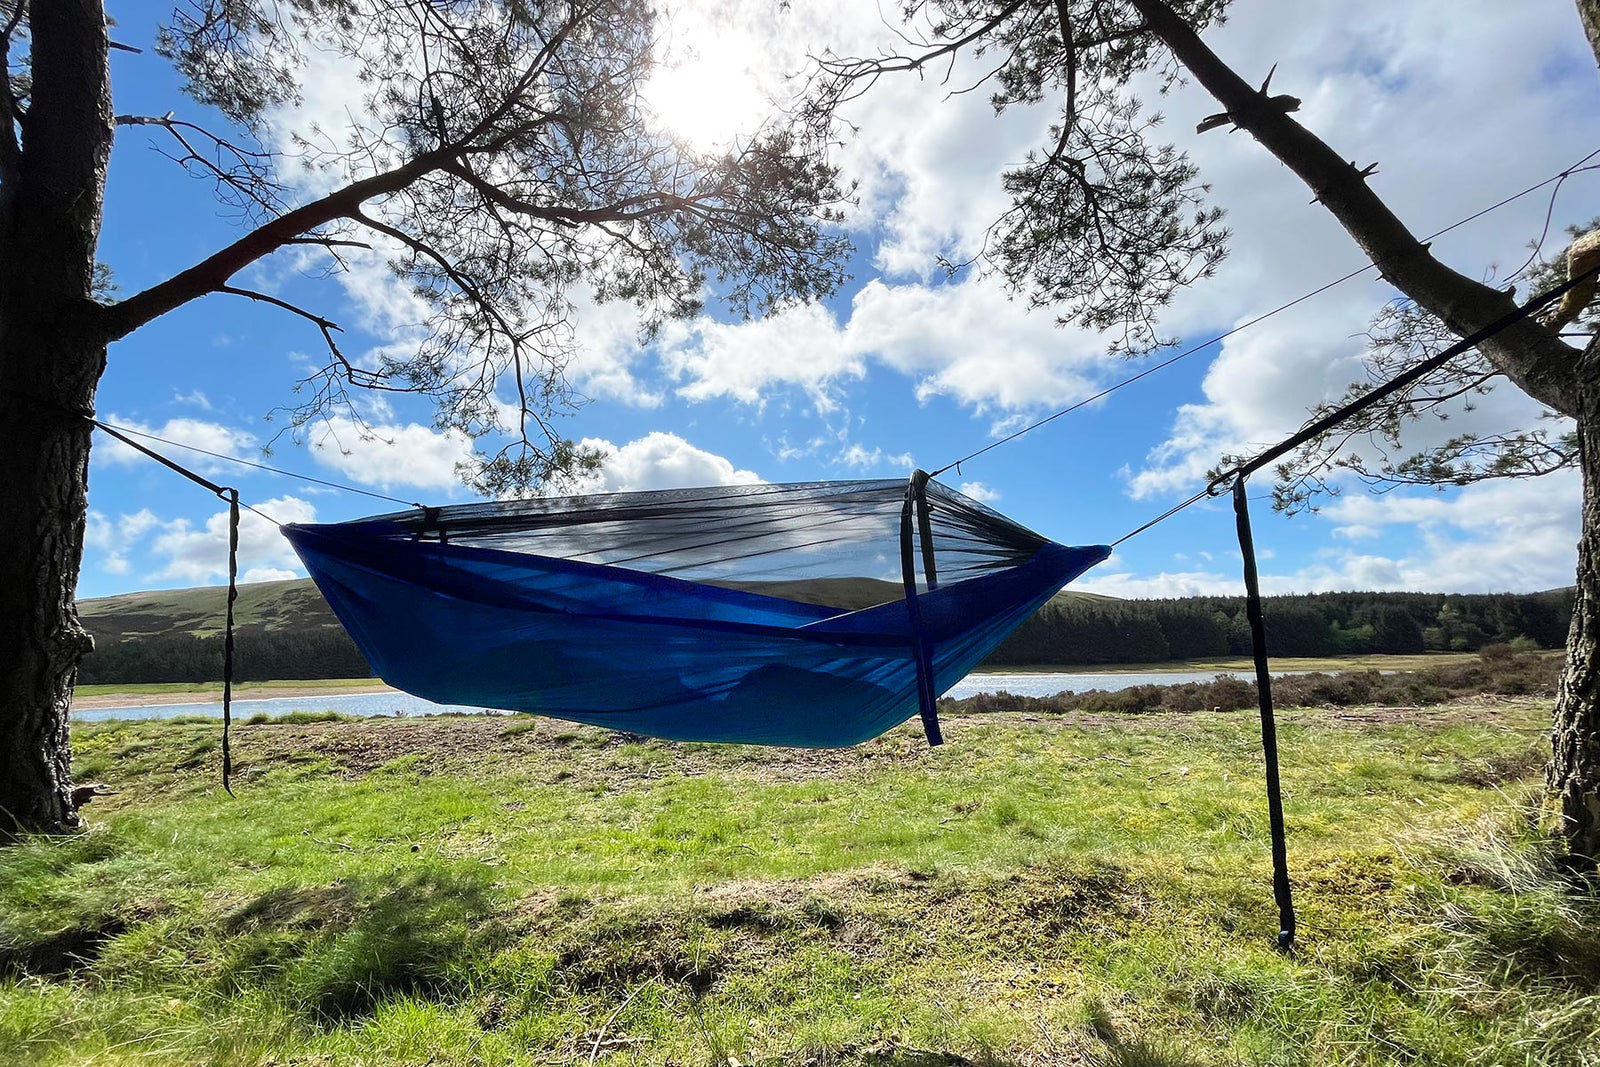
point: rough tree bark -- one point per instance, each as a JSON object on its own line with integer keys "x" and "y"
{"x": 51, "y": 356}
{"x": 1589, "y": 13}
{"x": 1573, "y": 776}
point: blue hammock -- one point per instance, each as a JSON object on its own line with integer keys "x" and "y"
{"x": 725, "y": 614}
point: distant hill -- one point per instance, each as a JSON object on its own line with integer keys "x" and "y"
{"x": 285, "y": 630}
{"x": 295, "y": 604}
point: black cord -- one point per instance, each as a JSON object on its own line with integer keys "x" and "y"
{"x": 1163, "y": 517}
{"x": 1367, "y": 399}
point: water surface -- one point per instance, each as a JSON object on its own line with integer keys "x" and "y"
{"x": 404, "y": 704}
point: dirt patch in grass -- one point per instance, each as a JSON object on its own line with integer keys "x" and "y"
{"x": 583, "y": 756}
{"x": 576, "y": 755}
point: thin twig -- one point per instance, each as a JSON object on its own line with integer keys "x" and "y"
{"x": 594, "y": 1052}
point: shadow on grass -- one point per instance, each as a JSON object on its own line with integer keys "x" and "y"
{"x": 1123, "y": 1050}
{"x": 345, "y": 948}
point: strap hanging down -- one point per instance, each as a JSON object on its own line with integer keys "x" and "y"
{"x": 917, "y": 506}
{"x": 232, "y": 497}
{"x": 1269, "y": 730}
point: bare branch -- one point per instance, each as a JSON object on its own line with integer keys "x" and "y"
{"x": 856, "y": 76}
{"x": 211, "y": 273}
{"x": 1530, "y": 354}
{"x": 246, "y": 173}
{"x": 328, "y": 242}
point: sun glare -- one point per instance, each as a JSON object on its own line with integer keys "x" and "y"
{"x": 705, "y": 91}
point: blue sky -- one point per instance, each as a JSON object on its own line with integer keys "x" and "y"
{"x": 1460, "y": 103}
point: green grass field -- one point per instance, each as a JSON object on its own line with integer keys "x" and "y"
{"x": 1038, "y": 891}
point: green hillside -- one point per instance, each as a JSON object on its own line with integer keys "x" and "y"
{"x": 853, "y": 594}
{"x": 297, "y": 605}
{"x": 285, "y": 630}
{"x": 267, "y": 606}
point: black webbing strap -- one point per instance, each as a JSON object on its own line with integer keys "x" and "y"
{"x": 164, "y": 461}
{"x": 1269, "y": 729}
{"x": 227, "y": 640}
{"x": 430, "y": 522}
{"x": 232, "y": 497}
{"x": 930, "y": 569}
{"x": 916, "y": 505}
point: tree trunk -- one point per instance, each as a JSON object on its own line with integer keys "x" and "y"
{"x": 1589, "y": 14}
{"x": 44, "y": 461}
{"x": 52, "y": 352}
{"x": 1574, "y": 772}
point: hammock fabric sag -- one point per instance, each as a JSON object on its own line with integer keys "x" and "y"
{"x": 817, "y": 614}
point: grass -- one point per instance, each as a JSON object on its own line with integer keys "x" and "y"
{"x": 1039, "y": 890}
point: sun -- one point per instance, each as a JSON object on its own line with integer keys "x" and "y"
{"x": 705, "y": 89}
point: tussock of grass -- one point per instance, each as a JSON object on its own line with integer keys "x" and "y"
{"x": 475, "y": 892}
{"x": 294, "y": 718}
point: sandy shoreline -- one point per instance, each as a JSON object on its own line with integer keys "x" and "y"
{"x": 214, "y": 696}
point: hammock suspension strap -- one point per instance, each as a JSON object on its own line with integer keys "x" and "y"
{"x": 917, "y": 509}
{"x": 230, "y": 495}
{"x": 1281, "y": 888}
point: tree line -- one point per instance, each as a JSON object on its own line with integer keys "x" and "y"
{"x": 1083, "y": 631}
{"x": 259, "y": 656}
{"x": 1066, "y": 632}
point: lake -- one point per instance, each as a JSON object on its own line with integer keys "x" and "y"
{"x": 404, "y": 704}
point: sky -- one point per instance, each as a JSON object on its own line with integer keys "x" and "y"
{"x": 1460, "y": 102}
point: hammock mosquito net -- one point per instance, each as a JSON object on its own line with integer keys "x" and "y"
{"x": 817, "y": 614}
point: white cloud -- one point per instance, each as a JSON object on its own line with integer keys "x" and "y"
{"x": 1513, "y": 536}
{"x": 269, "y": 574}
{"x": 800, "y": 347}
{"x": 193, "y": 398}
{"x": 980, "y": 492}
{"x": 200, "y": 556}
{"x": 965, "y": 340}
{"x": 610, "y": 358}
{"x": 659, "y": 461}
{"x": 196, "y": 433}
{"x": 108, "y": 542}
{"x": 390, "y": 456}
{"x": 863, "y": 458}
